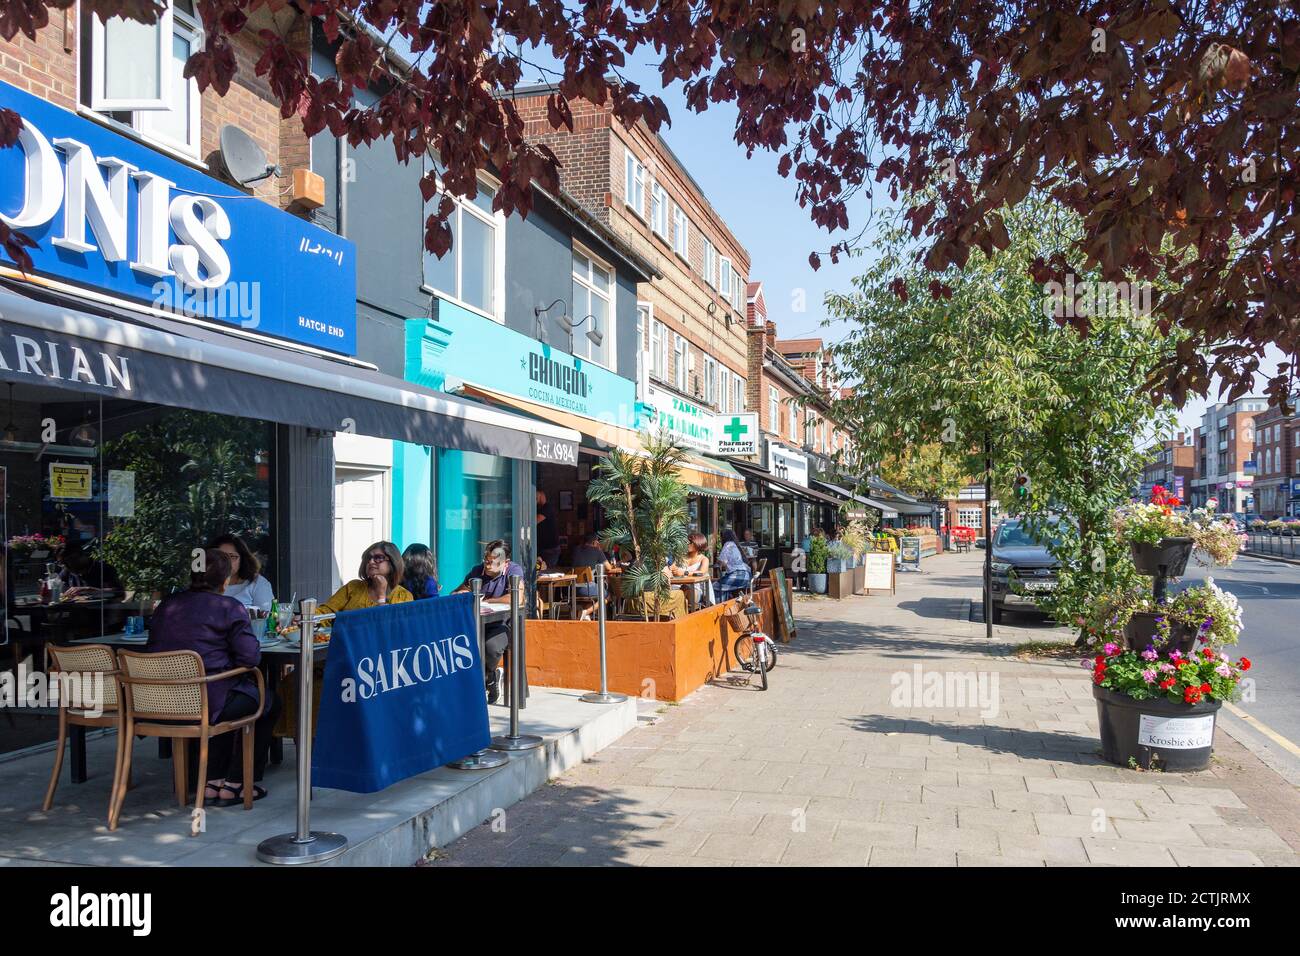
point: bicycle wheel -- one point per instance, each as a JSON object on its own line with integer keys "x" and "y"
{"x": 743, "y": 652}
{"x": 761, "y": 666}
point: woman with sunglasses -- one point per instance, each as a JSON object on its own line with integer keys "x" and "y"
{"x": 379, "y": 581}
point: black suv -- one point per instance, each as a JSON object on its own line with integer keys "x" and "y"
{"x": 1023, "y": 569}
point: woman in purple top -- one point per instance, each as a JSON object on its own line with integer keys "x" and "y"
{"x": 204, "y": 620}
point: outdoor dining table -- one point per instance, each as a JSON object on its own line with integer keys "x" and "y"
{"x": 275, "y": 654}
{"x": 551, "y": 582}
{"x": 686, "y": 580}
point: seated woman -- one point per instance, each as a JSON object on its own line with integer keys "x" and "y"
{"x": 378, "y": 581}
{"x": 495, "y": 572}
{"x": 734, "y": 574}
{"x": 246, "y": 584}
{"x": 697, "y": 562}
{"x": 420, "y": 576}
{"x": 205, "y": 620}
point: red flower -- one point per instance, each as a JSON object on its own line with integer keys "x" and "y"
{"x": 1167, "y": 683}
{"x": 1100, "y": 659}
{"x": 1244, "y": 663}
{"x": 1207, "y": 654}
{"x": 1206, "y": 688}
{"x": 1173, "y": 501}
{"x": 1191, "y": 695}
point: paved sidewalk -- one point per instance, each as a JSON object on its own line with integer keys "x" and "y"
{"x": 824, "y": 769}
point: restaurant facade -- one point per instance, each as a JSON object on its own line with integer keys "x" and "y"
{"x": 183, "y": 355}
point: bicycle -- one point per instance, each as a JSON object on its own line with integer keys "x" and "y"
{"x": 754, "y": 645}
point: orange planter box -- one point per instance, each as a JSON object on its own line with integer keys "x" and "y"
{"x": 664, "y": 660}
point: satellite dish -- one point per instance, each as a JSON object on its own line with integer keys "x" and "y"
{"x": 244, "y": 160}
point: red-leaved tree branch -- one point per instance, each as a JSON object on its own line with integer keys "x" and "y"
{"x": 1171, "y": 130}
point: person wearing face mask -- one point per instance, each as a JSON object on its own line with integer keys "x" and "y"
{"x": 495, "y": 572}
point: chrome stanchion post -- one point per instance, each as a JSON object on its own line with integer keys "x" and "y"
{"x": 484, "y": 759}
{"x": 604, "y": 697}
{"x": 515, "y": 740}
{"x": 304, "y": 845}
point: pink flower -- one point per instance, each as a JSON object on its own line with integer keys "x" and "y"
{"x": 1175, "y": 655}
{"x": 1111, "y": 649}
{"x": 1166, "y": 667}
{"x": 1223, "y": 670}
{"x": 1149, "y": 676}
{"x": 1149, "y": 654}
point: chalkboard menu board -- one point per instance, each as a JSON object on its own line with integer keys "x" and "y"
{"x": 910, "y": 553}
{"x": 784, "y": 610}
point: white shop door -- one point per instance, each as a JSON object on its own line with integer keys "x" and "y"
{"x": 359, "y": 519}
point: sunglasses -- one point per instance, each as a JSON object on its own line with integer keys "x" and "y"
{"x": 372, "y": 558}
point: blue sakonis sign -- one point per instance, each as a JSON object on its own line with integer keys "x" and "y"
{"x": 114, "y": 216}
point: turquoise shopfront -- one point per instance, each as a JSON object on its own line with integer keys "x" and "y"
{"x": 461, "y": 500}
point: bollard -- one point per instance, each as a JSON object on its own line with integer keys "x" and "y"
{"x": 515, "y": 740}
{"x": 604, "y": 696}
{"x": 306, "y": 845}
{"x": 487, "y": 758}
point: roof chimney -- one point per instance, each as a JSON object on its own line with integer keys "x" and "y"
{"x": 769, "y": 333}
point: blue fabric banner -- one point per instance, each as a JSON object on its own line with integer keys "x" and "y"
{"x": 403, "y": 694}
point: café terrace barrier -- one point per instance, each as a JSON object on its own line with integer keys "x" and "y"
{"x": 308, "y": 846}
{"x": 603, "y": 696}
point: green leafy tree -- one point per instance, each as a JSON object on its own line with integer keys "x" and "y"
{"x": 645, "y": 504}
{"x": 196, "y": 475}
{"x": 984, "y": 355}
{"x": 925, "y": 471}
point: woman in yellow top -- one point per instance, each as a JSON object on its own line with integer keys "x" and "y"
{"x": 379, "y": 581}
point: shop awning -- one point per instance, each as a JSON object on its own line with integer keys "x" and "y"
{"x": 116, "y": 353}
{"x": 809, "y": 494}
{"x": 886, "y": 511}
{"x": 704, "y": 475}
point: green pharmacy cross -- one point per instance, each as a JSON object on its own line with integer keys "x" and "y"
{"x": 735, "y": 429}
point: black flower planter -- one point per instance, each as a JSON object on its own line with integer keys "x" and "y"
{"x": 1143, "y": 733}
{"x": 1140, "y": 634}
{"x": 1168, "y": 559}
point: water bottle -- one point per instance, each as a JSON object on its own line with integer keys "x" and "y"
{"x": 272, "y": 619}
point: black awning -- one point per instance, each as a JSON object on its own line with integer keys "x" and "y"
{"x": 809, "y": 494}
{"x": 115, "y": 354}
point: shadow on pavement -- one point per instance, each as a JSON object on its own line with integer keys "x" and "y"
{"x": 562, "y": 825}
{"x": 1030, "y": 744}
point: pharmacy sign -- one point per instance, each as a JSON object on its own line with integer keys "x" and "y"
{"x": 737, "y": 434}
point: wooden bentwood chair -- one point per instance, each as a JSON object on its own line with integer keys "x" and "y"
{"x": 87, "y": 666}
{"x": 166, "y": 695}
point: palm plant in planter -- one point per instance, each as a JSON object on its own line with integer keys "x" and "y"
{"x": 645, "y": 506}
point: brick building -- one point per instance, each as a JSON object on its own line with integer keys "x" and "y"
{"x": 691, "y": 318}
{"x": 1224, "y": 442}
{"x": 1173, "y": 466}
{"x": 1277, "y": 462}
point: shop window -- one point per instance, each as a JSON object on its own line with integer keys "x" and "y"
{"x": 475, "y": 506}
{"x": 970, "y": 517}
{"x": 104, "y": 503}
{"x": 634, "y": 185}
{"x": 593, "y": 309}
{"x": 471, "y": 272}
{"x": 133, "y": 74}
{"x": 659, "y": 210}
